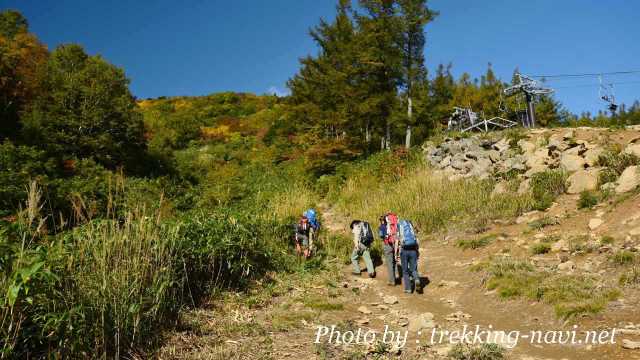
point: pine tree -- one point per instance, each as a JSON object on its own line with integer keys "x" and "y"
{"x": 414, "y": 16}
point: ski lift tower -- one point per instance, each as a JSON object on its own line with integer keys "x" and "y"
{"x": 530, "y": 88}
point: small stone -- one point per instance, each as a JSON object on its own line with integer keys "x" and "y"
{"x": 567, "y": 266}
{"x": 448, "y": 284}
{"x": 364, "y": 310}
{"x": 421, "y": 322}
{"x": 362, "y": 322}
{"x": 630, "y": 345}
{"x": 595, "y": 223}
{"x": 390, "y": 300}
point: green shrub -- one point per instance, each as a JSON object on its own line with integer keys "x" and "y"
{"x": 607, "y": 240}
{"x": 588, "y": 199}
{"x": 546, "y": 186}
{"x": 617, "y": 161}
{"x": 477, "y": 352}
{"x": 543, "y": 222}
{"x": 476, "y": 243}
{"x": 540, "y": 248}
{"x": 623, "y": 257}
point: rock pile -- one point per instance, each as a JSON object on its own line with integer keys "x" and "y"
{"x": 484, "y": 158}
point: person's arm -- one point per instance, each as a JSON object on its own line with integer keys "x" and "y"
{"x": 356, "y": 236}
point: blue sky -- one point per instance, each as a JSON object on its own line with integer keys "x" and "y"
{"x": 197, "y": 47}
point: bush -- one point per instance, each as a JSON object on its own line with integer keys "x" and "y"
{"x": 476, "y": 243}
{"x": 546, "y": 186}
{"x": 477, "y": 352}
{"x": 623, "y": 257}
{"x": 617, "y": 161}
{"x": 541, "y": 248}
{"x": 588, "y": 199}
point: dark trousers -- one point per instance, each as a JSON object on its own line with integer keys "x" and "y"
{"x": 409, "y": 261}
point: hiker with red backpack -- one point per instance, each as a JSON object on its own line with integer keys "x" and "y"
{"x": 362, "y": 241}
{"x": 409, "y": 254}
{"x": 388, "y": 232}
{"x": 303, "y": 233}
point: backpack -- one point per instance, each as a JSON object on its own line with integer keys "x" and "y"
{"x": 366, "y": 235}
{"x": 407, "y": 234}
{"x": 392, "y": 226}
{"x": 313, "y": 220}
{"x": 303, "y": 226}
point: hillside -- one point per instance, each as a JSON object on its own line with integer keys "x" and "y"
{"x": 492, "y": 260}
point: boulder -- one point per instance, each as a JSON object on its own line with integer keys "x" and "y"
{"x": 557, "y": 142}
{"x": 494, "y": 155}
{"x": 502, "y": 145}
{"x": 633, "y": 148}
{"x": 538, "y": 157}
{"x": 591, "y": 156}
{"x": 567, "y": 266}
{"x": 526, "y": 146}
{"x": 500, "y": 188}
{"x": 514, "y": 163}
{"x": 568, "y": 135}
{"x": 524, "y": 187}
{"x": 629, "y": 180}
{"x": 572, "y": 162}
{"x": 583, "y": 180}
{"x": 421, "y": 322}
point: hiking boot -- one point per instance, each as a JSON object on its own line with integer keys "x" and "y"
{"x": 407, "y": 291}
{"x": 418, "y": 285}
{"x": 372, "y": 275}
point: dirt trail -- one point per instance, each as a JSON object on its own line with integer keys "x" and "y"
{"x": 454, "y": 288}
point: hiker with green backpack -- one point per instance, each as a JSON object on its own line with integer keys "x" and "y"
{"x": 409, "y": 253}
{"x": 362, "y": 240}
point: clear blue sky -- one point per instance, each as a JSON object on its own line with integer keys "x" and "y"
{"x": 197, "y": 47}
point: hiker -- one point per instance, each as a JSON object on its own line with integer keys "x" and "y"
{"x": 362, "y": 240}
{"x": 388, "y": 232}
{"x": 409, "y": 253}
{"x": 315, "y": 225}
{"x": 302, "y": 237}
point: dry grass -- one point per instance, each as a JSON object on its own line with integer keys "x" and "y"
{"x": 429, "y": 199}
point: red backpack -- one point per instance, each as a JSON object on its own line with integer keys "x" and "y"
{"x": 392, "y": 228}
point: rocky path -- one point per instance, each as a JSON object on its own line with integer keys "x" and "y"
{"x": 454, "y": 298}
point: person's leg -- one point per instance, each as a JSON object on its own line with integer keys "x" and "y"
{"x": 312, "y": 237}
{"x": 413, "y": 267}
{"x": 366, "y": 255}
{"x": 391, "y": 263}
{"x": 405, "y": 271}
{"x": 355, "y": 255}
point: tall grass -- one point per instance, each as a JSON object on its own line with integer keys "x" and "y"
{"x": 106, "y": 287}
{"x": 429, "y": 199}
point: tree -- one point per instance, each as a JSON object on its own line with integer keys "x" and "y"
{"x": 86, "y": 111}
{"x": 323, "y": 90}
{"x": 381, "y": 60}
{"x": 22, "y": 61}
{"x": 414, "y": 15}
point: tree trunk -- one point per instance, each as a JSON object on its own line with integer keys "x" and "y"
{"x": 407, "y": 140}
{"x": 387, "y": 136}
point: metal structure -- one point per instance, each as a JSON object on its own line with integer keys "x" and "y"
{"x": 530, "y": 88}
{"x": 465, "y": 119}
{"x": 607, "y": 94}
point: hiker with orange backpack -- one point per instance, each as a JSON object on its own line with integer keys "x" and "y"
{"x": 388, "y": 233}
